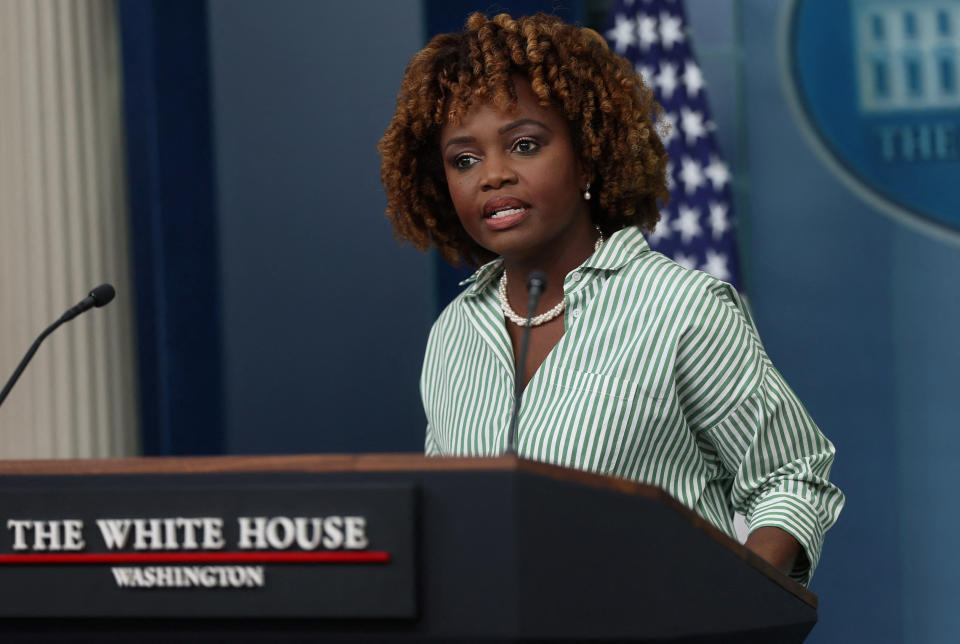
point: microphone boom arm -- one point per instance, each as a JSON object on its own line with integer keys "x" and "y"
{"x": 98, "y": 297}
{"x": 536, "y": 285}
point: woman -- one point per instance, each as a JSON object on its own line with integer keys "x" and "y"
{"x": 526, "y": 144}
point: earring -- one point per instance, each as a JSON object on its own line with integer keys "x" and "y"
{"x": 586, "y": 192}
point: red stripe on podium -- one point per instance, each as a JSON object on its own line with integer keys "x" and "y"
{"x": 369, "y": 556}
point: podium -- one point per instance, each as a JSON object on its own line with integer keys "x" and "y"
{"x": 441, "y": 549}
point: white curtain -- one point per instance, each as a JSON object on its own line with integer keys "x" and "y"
{"x": 63, "y": 230}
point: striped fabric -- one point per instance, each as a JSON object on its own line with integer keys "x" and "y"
{"x": 660, "y": 377}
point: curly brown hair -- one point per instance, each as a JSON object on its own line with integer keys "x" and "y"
{"x": 610, "y": 110}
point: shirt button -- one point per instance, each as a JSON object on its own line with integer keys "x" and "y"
{"x": 575, "y": 313}
{"x": 574, "y": 277}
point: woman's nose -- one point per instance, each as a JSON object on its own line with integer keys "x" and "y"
{"x": 497, "y": 172}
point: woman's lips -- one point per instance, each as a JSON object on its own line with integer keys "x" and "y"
{"x": 500, "y": 213}
{"x": 503, "y": 219}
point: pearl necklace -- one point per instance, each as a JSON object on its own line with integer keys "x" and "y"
{"x": 543, "y": 318}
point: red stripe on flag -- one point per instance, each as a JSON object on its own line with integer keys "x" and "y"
{"x": 370, "y": 556}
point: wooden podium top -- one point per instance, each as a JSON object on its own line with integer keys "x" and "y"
{"x": 372, "y": 463}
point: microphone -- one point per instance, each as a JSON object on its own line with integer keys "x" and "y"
{"x": 536, "y": 285}
{"x": 100, "y": 296}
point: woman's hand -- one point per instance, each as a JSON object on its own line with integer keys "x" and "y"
{"x": 775, "y": 546}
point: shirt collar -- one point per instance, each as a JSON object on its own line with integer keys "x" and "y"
{"x": 621, "y": 248}
{"x": 479, "y": 280}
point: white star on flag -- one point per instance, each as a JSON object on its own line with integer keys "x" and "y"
{"x": 622, "y": 34}
{"x": 689, "y": 262}
{"x": 696, "y": 228}
{"x": 647, "y": 31}
{"x": 717, "y": 173}
{"x": 662, "y": 231}
{"x": 718, "y": 219}
{"x": 647, "y": 74}
{"x": 692, "y": 78}
{"x": 716, "y": 265}
{"x": 671, "y": 30}
{"x": 687, "y": 223}
{"x": 667, "y": 79}
{"x": 691, "y": 175}
{"x": 692, "y": 124}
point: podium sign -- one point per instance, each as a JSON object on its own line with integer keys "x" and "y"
{"x": 323, "y": 548}
{"x": 229, "y": 550}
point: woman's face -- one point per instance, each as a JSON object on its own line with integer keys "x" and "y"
{"x": 515, "y": 180}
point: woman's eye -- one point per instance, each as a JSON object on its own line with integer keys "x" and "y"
{"x": 464, "y": 161}
{"x": 526, "y": 146}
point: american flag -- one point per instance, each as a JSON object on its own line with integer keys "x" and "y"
{"x": 696, "y": 227}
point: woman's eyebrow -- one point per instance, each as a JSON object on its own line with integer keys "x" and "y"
{"x": 506, "y": 128}
{"x": 459, "y": 139}
{"x": 516, "y": 124}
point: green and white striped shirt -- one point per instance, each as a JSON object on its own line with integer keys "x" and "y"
{"x": 660, "y": 377}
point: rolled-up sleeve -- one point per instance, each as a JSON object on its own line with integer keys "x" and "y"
{"x": 781, "y": 464}
{"x": 765, "y": 440}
